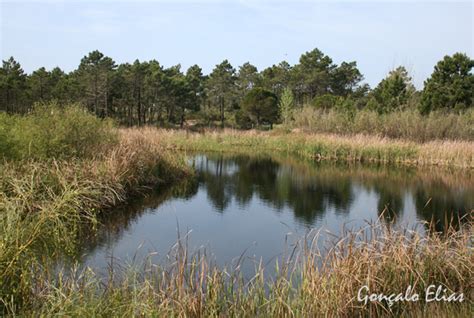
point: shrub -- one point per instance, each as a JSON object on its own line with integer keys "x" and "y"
{"x": 286, "y": 105}
{"x": 325, "y": 101}
{"x": 50, "y": 131}
{"x": 6, "y": 124}
{"x": 261, "y": 106}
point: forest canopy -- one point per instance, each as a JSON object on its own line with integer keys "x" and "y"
{"x": 146, "y": 92}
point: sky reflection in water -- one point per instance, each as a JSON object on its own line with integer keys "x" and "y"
{"x": 260, "y": 205}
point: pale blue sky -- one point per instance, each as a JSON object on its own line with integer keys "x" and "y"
{"x": 379, "y": 35}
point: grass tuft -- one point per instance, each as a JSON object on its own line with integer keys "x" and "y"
{"x": 313, "y": 280}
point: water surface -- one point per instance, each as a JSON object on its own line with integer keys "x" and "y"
{"x": 255, "y": 205}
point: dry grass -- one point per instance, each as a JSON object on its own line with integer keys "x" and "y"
{"x": 360, "y": 148}
{"x": 312, "y": 281}
{"x": 408, "y": 124}
{"x": 447, "y": 153}
{"x": 46, "y": 206}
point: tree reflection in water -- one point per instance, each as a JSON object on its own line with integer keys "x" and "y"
{"x": 311, "y": 189}
{"x": 306, "y": 194}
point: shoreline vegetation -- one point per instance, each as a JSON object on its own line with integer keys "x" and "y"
{"x": 62, "y": 167}
{"x": 405, "y": 124}
{"x": 309, "y": 282}
{"x": 318, "y": 146}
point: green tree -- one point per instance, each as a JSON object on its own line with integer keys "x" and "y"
{"x": 174, "y": 90}
{"x": 276, "y": 77}
{"x": 221, "y": 88}
{"x": 194, "y": 90}
{"x": 121, "y": 93}
{"x": 130, "y": 91}
{"x": 312, "y": 76}
{"x": 392, "y": 92}
{"x": 286, "y": 105}
{"x": 95, "y": 71}
{"x": 261, "y": 106}
{"x": 243, "y": 120}
{"x": 12, "y": 86}
{"x": 195, "y": 81}
{"x": 62, "y": 87}
{"x": 451, "y": 85}
{"x": 345, "y": 79}
{"x": 247, "y": 78}
{"x": 154, "y": 92}
{"x": 177, "y": 94}
{"x": 137, "y": 76}
{"x": 39, "y": 84}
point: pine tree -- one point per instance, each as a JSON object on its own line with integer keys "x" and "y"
{"x": 286, "y": 105}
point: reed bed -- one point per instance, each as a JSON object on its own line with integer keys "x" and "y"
{"x": 45, "y": 206}
{"x": 406, "y": 124}
{"x": 313, "y": 280}
{"x": 355, "y": 148}
{"x": 48, "y": 203}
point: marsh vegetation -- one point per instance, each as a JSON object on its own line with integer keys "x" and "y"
{"x": 52, "y": 202}
{"x": 62, "y": 167}
{"x": 70, "y": 158}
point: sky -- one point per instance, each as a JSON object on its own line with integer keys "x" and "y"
{"x": 378, "y": 35}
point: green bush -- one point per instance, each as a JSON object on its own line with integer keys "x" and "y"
{"x": 325, "y": 101}
{"x": 6, "y": 124}
{"x": 50, "y": 131}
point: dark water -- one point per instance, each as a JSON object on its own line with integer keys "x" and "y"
{"x": 253, "y": 206}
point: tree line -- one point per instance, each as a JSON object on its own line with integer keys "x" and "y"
{"x": 148, "y": 93}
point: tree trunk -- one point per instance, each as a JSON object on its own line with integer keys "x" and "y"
{"x": 8, "y": 101}
{"x": 182, "y": 116}
{"x": 41, "y": 88}
{"x": 222, "y": 111}
{"x": 107, "y": 97}
{"x": 95, "y": 93}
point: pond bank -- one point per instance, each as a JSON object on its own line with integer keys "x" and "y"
{"x": 70, "y": 193}
{"x": 251, "y": 209}
{"x": 46, "y": 205}
{"x": 357, "y": 148}
{"x": 191, "y": 286}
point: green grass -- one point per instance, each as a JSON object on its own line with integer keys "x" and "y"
{"x": 51, "y": 131}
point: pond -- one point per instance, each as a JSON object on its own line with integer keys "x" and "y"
{"x": 253, "y": 206}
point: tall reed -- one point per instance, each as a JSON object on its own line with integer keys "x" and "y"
{"x": 406, "y": 124}
{"x": 45, "y": 206}
{"x": 360, "y": 148}
{"x": 312, "y": 280}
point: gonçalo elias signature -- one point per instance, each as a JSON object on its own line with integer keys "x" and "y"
{"x": 432, "y": 293}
